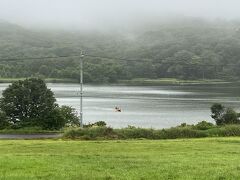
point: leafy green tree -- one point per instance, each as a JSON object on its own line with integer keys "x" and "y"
{"x": 218, "y": 111}
{"x": 230, "y": 117}
{"x": 223, "y": 115}
{"x": 28, "y": 103}
{"x": 53, "y": 121}
{"x": 3, "y": 120}
{"x": 70, "y": 116}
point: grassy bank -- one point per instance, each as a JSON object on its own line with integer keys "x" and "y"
{"x": 209, "y": 158}
{"x": 167, "y": 81}
{"x": 193, "y": 131}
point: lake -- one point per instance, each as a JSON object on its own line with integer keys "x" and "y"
{"x": 147, "y": 106}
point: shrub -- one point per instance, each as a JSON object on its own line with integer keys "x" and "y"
{"x": 174, "y": 133}
{"x": 98, "y": 123}
{"x": 133, "y": 133}
{"x": 91, "y": 133}
{"x": 227, "y": 130}
{"x": 183, "y": 125}
{"x": 202, "y": 129}
{"x": 53, "y": 121}
{"x": 204, "y": 125}
{"x": 70, "y": 116}
{"x": 4, "y": 123}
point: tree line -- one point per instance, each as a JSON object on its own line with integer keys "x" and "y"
{"x": 183, "y": 49}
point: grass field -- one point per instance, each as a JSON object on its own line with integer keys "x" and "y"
{"x": 209, "y": 158}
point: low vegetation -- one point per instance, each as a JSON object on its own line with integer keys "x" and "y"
{"x": 184, "y": 131}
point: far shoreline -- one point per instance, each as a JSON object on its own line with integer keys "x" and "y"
{"x": 136, "y": 81}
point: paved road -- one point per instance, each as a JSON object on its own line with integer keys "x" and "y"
{"x": 29, "y": 136}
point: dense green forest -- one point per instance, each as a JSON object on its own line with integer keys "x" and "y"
{"x": 183, "y": 49}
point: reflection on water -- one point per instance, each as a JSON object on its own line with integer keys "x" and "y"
{"x": 147, "y": 106}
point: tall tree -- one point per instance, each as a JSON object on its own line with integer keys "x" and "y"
{"x": 27, "y": 102}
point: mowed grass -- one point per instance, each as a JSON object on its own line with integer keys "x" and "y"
{"x": 209, "y": 158}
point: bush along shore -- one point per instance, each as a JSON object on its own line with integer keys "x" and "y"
{"x": 202, "y": 129}
{"x": 227, "y": 124}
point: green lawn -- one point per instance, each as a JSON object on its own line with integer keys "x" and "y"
{"x": 209, "y": 158}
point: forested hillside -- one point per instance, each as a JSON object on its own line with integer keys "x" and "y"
{"x": 184, "y": 49}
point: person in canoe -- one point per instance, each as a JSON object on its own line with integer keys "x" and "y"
{"x": 117, "y": 109}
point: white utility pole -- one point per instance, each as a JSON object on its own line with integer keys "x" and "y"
{"x": 81, "y": 89}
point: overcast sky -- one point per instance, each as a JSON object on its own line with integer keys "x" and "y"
{"x": 90, "y": 13}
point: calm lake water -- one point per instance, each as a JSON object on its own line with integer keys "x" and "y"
{"x": 147, "y": 106}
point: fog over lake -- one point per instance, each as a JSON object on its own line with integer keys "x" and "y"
{"x": 147, "y": 106}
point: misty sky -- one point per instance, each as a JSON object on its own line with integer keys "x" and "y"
{"x": 91, "y": 13}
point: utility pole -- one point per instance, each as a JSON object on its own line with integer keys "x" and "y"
{"x": 81, "y": 89}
